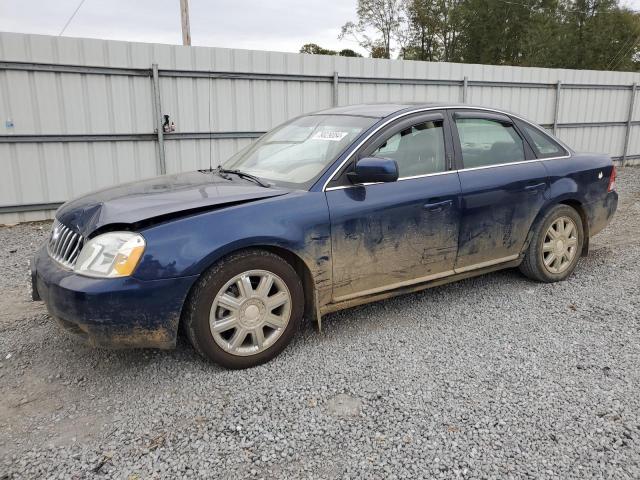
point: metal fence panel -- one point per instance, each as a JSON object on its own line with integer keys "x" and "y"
{"x": 189, "y": 155}
{"x": 634, "y": 139}
{"x": 65, "y": 103}
{"x": 536, "y": 104}
{"x": 37, "y": 173}
{"x": 596, "y": 139}
{"x": 81, "y": 114}
{"x": 590, "y": 105}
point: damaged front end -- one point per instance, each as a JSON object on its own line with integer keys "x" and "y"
{"x": 111, "y": 312}
{"x": 99, "y": 278}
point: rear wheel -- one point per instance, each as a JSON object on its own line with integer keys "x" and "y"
{"x": 245, "y": 309}
{"x": 555, "y": 247}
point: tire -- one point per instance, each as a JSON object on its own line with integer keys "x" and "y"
{"x": 541, "y": 258}
{"x": 235, "y": 298}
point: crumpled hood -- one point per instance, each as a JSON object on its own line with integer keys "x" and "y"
{"x": 146, "y": 199}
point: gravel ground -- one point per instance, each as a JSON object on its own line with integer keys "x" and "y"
{"x": 492, "y": 377}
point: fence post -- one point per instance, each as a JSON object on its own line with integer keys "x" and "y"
{"x": 556, "y": 111}
{"x": 157, "y": 109}
{"x": 627, "y": 133}
{"x": 335, "y": 89}
{"x": 557, "y": 107}
{"x": 465, "y": 87}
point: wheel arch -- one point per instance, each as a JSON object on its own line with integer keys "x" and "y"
{"x": 570, "y": 202}
{"x": 311, "y": 310}
{"x": 306, "y": 277}
{"x": 578, "y": 207}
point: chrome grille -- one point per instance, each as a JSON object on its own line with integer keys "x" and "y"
{"x": 64, "y": 244}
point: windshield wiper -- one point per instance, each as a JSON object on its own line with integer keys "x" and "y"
{"x": 242, "y": 174}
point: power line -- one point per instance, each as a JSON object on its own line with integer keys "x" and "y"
{"x": 71, "y": 18}
{"x": 622, "y": 49}
{"x": 621, "y": 59}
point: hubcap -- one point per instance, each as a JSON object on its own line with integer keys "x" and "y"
{"x": 560, "y": 245}
{"x": 250, "y": 312}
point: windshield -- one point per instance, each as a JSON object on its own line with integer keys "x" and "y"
{"x": 296, "y": 153}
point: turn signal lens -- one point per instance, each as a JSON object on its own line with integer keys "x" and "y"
{"x": 125, "y": 264}
{"x": 612, "y": 180}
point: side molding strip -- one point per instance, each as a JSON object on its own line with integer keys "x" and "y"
{"x": 488, "y": 263}
{"x": 427, "y": 278}
{"x": 394, "y": 286}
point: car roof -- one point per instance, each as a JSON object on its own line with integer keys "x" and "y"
{"x": 382, "y": 110}
{"x": 379, "y": 110}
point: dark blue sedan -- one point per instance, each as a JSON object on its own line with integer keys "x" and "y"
{"x": 330, "y": 210}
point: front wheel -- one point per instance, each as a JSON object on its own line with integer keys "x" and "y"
{"x": 555, "y": 247}
{"x": 245, "y": 309}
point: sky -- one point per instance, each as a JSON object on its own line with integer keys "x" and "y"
{"x": 279, "y": 25}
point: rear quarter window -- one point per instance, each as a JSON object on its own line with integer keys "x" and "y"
{"x": 543, "y": 145}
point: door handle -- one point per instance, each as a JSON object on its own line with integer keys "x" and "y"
{"x": 535, "y": 188}
{"x": 437, "y": 206}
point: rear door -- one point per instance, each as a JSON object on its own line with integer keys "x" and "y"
{"x": 503, "y": 187}
{"x": 388, "y": 235}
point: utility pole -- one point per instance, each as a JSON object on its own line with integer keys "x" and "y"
{"x": 184, "y": 14}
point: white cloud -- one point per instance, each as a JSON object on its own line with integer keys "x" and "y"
{"x": 284, "y": 25}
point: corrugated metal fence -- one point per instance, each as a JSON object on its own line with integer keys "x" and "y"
{"x": 81, "y": 114}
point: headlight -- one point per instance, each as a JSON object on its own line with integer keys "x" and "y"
{"x": 113, "y": 254}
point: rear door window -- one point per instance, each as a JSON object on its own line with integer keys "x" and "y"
{"x": 486, "y": 142}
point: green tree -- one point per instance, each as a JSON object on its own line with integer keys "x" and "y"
{"x": 383, "y": 16}
{"x": 451, "y": 26}
{"x": 601, "y": 35}
{"x": 581, "y": 34}
{"x": 316, "y": 49}
{"x": 431, "y": 31}
{"x": 585, "y": 34}
{"x": 493, "y": 31}
{"x": 418, "y": 39}
{"x": 347, "y": 52}
{"x": 544, "y": 43}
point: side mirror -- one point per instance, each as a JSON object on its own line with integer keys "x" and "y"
{"x": 374, "y": 170}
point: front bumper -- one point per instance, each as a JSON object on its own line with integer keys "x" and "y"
{"x": 113, "y": 312}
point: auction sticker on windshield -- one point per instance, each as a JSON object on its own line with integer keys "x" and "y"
{"x": 330, "y": 135}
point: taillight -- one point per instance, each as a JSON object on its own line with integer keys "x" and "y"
{"x": 612, "y": 180}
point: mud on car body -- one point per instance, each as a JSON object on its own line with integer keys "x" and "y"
{"x": 327, "y": 211}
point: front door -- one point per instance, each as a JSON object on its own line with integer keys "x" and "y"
{"x": 503, "y": 188}
{"x": 388, "y": 235}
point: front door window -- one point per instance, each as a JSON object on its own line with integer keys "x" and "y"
{"x": 418, "y": 149}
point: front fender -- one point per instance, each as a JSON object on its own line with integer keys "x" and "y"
{"x": 297, "y": 222}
